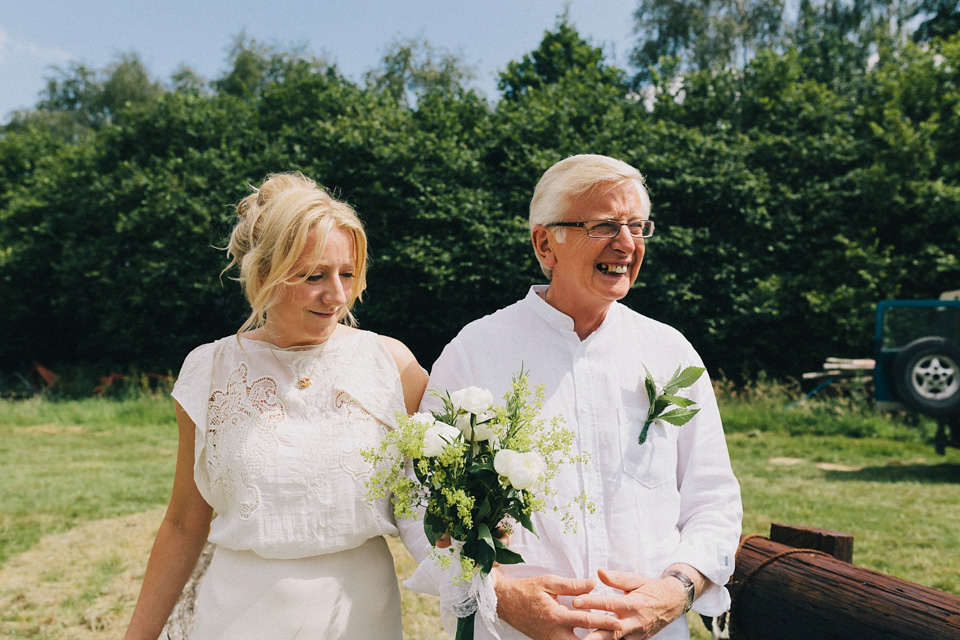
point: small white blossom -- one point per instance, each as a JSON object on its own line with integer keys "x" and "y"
{"x": 472, "y": 399}
{"x": 437, "y": 437}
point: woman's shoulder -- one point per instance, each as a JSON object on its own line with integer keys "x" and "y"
{"x": 382, "y": 344}
{"x": 413, "y": 377}
{"x": 205, "y": 351}
{"x": 396, "y": 348}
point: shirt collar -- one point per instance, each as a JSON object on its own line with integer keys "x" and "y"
{"x": 556, "y": 318}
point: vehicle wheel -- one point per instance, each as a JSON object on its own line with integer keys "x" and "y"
{"x": 926, "y": 375}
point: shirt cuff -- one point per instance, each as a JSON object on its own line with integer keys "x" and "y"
{"x": 716, "y": 565}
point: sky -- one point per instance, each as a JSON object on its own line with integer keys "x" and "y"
{"x": 37, "y": 35}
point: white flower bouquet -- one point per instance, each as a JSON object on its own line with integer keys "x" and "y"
{"x": 475, "y": 468}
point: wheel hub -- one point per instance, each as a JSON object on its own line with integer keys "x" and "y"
{"x": 935, "y": 377}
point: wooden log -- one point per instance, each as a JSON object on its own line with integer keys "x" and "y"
{"x": 850, "y": 363}
{"x": 837, "y": 544}
{"x": 783, "y": 593}
{"x": 837, "y": 373}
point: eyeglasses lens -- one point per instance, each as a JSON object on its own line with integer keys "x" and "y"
{"x": 641, "y": 229}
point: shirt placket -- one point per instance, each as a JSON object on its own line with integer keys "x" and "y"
{"x": 589, "y": 410}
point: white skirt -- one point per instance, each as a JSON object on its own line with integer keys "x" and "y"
{"x": 345, "y": 595}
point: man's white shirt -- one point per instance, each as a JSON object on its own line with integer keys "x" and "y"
{"x": 673, "y": 498}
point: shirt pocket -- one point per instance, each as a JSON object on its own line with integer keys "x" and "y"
{"x": 653, "y": 463}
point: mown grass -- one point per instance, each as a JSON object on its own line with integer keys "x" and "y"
{"x": 92, "y": 465}
{"x": 834, "y": 463}
{"x": 73, "y": 461}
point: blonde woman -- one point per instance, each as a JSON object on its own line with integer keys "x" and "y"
{"x": 272, "y": 422}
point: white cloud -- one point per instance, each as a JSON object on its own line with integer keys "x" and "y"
{"x": 23, "y": 67}
{"x": 11, "y": 48}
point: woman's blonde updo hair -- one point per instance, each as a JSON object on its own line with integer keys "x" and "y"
{"x": 272, "y": 231}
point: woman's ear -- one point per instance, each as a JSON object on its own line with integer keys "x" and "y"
{"x": 543, "y": 244}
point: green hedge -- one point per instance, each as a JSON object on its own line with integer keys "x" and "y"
{"x": 787, "y": 203}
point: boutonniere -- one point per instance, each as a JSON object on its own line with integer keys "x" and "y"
{"x": 666, "y": 397}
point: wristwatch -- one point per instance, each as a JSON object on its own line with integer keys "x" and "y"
{"x": 687, "y": 584}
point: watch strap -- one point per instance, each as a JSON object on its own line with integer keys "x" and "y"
{"x": 687, "y": 585}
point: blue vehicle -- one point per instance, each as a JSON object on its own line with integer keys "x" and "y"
{"x": 917, "y": 361}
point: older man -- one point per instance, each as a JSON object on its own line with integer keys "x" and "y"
{"x": 667, "y": 520}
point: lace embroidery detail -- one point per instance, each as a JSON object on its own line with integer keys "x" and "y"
{"x": 243, "y": 422}
{"x": 369, "y": 430}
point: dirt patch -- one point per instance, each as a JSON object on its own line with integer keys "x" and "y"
{"x": 786, "y": 461}
{"x": 834, "y": 466}
{"x": 81, "y": 584}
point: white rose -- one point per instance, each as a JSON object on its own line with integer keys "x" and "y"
{"x": 484, "y": 431}
{"x": 437, "y": 437}
{"x": 527, "y": 469}
{"x": 472, "y": 399}
{"x": 424, "y": 417}
{"x": 522, "y": 470}
{"x": 481, "y": 433}
{"x": 503, "y": 461}
{"x": 462, "y": 422}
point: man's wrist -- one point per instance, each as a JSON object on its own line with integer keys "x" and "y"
{"x": 688, "y": 587}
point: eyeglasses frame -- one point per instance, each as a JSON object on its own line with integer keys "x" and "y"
{"x": 584, "y": 223}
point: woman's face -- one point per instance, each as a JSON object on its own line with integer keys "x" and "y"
{"x": 310, "y": 310}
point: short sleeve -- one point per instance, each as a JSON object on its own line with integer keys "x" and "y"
{"x": 192, "y": 388}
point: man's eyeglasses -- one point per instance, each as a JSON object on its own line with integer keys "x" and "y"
{"x": 610, "y": 228}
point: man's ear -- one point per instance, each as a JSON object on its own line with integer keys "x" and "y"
{"x": 543, "y": 244}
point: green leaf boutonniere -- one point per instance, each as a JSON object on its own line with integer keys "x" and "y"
{"x": 659, "y": 401}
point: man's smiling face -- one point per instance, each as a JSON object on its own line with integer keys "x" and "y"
{"x": 591, "y": 273}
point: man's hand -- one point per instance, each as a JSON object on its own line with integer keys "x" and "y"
{"x": 530, "y": 606}
{"x": 647, "y": 606}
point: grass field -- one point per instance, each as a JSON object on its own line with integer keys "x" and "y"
{"x": 85, "y": 483}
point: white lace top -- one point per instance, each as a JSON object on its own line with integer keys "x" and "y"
{"x": 281, "y": 466}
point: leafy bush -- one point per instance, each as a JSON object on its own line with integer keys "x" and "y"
{"x": 782, "y": 407}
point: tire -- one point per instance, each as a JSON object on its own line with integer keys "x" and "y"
{"x": 926, "y": 376}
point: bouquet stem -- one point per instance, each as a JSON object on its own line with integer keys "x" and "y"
{"x": 465, "y": 627}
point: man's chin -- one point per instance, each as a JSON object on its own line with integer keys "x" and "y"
{"x": 616, "y": 288}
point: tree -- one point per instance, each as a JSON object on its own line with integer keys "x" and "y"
{"x": 185, "y": 80}
{"x": 92, "y": 99}
{"x": 115, "y": 263}
{"x": 561, "y": 51}
{"x": 943, "y": 19}
{"x": 254, "y": 65}
{"x": 413, "y": 67}
{"x": 715, "y": 34}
